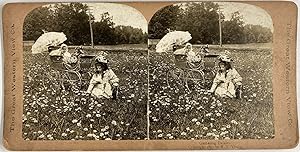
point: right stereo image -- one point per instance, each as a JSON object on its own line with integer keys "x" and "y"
{"x": 210, "y": 72}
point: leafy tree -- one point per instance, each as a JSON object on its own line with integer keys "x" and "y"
{"x": 130, "y": 35}
{"x": 36, "y": 22}
{"x": 72, "y": 19}
{"x": 235, "y": 32}
{"x": 163, "y": 20}
{"x": 249, "y": 36}
{"x": 120, "y": 36}
{"x": 104, "y": 30}
{"x": 261, "y": 34}
{"x": 202, "y": 21}
{"x": 233, "y": 29}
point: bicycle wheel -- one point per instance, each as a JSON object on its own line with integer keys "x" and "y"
{"x": 72, "y": 80}
{"x": 195, "y": 80}
{"x": 174, "y": 79}
{"x": 50, "y": 80}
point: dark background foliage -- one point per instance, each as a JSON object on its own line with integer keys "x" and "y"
{"x": 73, "y": 20}
{"x": 202, "y": 21}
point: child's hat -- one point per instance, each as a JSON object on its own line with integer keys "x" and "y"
{"x": 225, "y": 58}
{"x": 101, "y": 59}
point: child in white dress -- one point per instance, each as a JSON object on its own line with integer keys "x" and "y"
{"x": 104, "y": 82}
{"x": 227, "y": 82}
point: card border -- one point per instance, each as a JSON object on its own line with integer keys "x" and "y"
{"x": 284, "y": 16}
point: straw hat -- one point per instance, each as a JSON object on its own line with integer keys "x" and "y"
{"x": 101, "y": 59}
{"x": 225, "y": 58}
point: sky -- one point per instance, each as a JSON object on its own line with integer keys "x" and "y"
{"x": 122, "y": 14}
{"x": 251, "y": 14}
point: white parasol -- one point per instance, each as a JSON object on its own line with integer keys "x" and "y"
{"x": 173, "y": 38}
{"x": 46, "y": 40}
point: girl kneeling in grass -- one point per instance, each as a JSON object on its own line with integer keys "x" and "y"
{"x": 104, "y": 82}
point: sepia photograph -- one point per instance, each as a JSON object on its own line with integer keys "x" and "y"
{"x": 205, "y": 73}
{"x": 210, "y": 72}
{"x": 85, "y": 72}
{"x": 190, "y": 75}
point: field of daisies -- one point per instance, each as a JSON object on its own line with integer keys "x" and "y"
{"x": 53, "y": 114}
{"x": 179, "y": 113}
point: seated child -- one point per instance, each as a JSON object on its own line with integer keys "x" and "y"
{"x": 104, "y": 82}
{"x": 188, "y": 51}
{"x": 63, "y": 52}
{"x": 227, "y": 82}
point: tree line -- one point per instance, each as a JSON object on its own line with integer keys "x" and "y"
{"x": 202, "y": 21}
{"x": 73, "y": 20}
